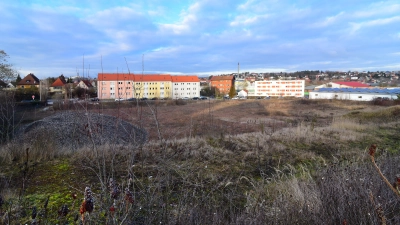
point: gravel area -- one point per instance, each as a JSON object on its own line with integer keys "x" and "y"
{"x": 75, "y": 129}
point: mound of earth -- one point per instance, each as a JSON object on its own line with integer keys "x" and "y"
{"x": 75, "y": 129}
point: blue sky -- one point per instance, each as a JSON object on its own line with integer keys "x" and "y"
{"x": 203, "y": 37}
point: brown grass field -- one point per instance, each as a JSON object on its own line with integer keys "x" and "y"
{"x": 276, "y": 161}
{"x": 212, "y": 117}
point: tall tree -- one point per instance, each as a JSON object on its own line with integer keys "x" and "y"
{"x": 18, "y": 79}
{"x": 6, "y": 71}
{"x": 232, "y": 91}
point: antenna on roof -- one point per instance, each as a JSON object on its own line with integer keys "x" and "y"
{"x": 142, "y": 64}
{"x": 83, "y": 64}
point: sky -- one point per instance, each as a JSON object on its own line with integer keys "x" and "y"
{"x": 199, "y": 37}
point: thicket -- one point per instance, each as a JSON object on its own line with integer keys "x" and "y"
{"x": 306, "y": 174}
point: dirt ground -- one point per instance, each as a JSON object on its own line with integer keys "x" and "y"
{"x": 175, "y": 120}
{"x": 231, "y": 117}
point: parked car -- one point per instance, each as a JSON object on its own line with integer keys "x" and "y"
{"x": 195, "y": 98}
{"x": 235, "y": 97}
{"x": 185, "y": 98}
{"x": 155, "y": 98}
{"x": 144, "y": 99}
{"x": 203, "y": 98}
{"x": 119, "y": 99}
{"x": 131, "y": 99}
{"x": 94, "y": 99}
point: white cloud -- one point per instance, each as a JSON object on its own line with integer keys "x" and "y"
{"x": 248, "y": 20}
{"x": 187, "y": 21}
{"x": 327, "y": 21}
{"x": 378, "y": 9}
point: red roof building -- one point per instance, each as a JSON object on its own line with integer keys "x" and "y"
{"x": 222, "y": 83}
{"x": 125, "y": 86}
{"x": 29, "y": 81}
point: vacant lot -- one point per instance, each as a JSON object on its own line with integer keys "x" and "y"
{"x": 180, "y": 119}
{"x": 277, "y": 161}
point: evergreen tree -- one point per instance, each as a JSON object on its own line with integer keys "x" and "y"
{"x": 232, "y": 92}
{"x": 18, "y": 79}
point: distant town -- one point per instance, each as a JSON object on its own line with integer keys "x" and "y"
{"x": 242, "y": 85}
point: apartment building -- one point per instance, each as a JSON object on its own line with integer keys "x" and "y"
{"x": 185, "y": 86}
{"x": 112, "y": 86}
{"x": 278, "y": 88}
{"x": 222, "y": 83}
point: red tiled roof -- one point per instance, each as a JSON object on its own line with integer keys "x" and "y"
{"x": 352, "y": 84}
{"x": 217, "y": 78}
{"x": 185, "y": 78}
{"x": 59, "y": 82}
{"x": 134, "y": 77}
{"x": 152, "y": 77}
{"x": 29, "y": 79}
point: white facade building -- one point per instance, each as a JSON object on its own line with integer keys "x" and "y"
{"x": 185, "y": 87}
{"x": 278, "y": 88}
{"x": 354, "y": 94}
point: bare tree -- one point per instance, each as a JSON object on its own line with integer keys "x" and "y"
{"x": 6, "y": 71}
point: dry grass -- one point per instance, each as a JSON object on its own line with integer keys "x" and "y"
{"x": 228, "y": 162}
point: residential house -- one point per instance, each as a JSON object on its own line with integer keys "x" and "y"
{"x": 222, "y": 83}
{"x": 29, "y": 81}
{"x": 58, "y": 86}
{"x": 85, "y": 84}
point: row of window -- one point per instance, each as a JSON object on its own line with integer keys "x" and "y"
{"x": 279, "y": 94}
{"x": 186, "y": 83}
{"x": 194, "y": 93}
{"x": 272, "y": 86}
{"x": 128, "y": 82}
{"x": 280, "y": 82}
{"x": 184, "y": 89}
{"x": 280, "y": 90}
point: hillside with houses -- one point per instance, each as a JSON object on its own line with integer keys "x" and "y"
{"x": 109, "y": 86}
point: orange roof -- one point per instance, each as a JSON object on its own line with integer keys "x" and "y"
{"x": 133, "y": 77}
{"x": 185, "y": 78}
{"x": 153, "y": 77}
{"x": 146, "y": 77}
{"x": 114, "y": 76}
{"x": 58, "y": 83}
{"x": 217, "y": 78}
